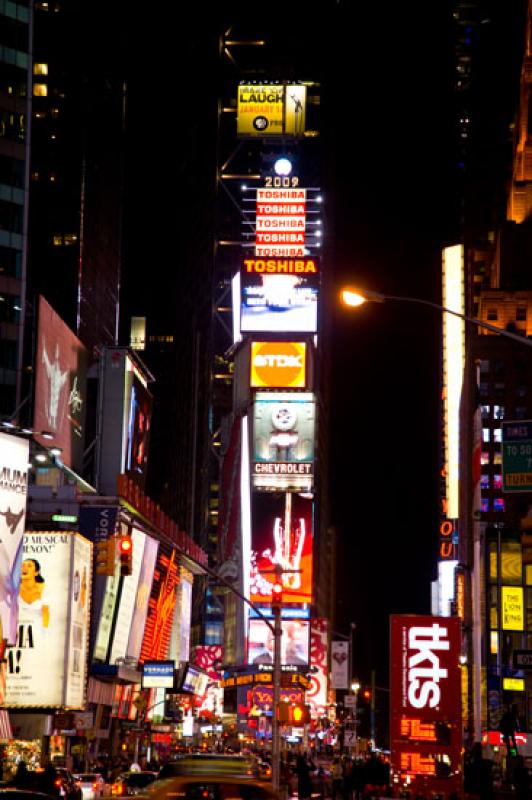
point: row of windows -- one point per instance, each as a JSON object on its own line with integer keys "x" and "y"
{"x": 499, "y": 366}
{"x": 12, "y": 126}
{"x": 497, "y": 411}
{"x": 520, "y": 314}
{"x": 487, "y": 458}
{"x": 12, "y": 171}
{"x": 9, "y": 308}
{"x": 500, "y": 390}
{"x": 492, "y": 434}
{"x": 10, "y": 262}
{"x": 11, "y": 217}
{"x": 488, "y": 504}
{"x": 491, "y": 482}
{"x": 13, "y": 81}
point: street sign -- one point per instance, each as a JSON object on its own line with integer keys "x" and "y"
{"x": 517, "y": 456}
{"x": 350, "y": 701}
{"x": 522, "y": 659}
{"x": 350, "y": 738}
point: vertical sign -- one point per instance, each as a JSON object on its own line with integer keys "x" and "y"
{"x": 517, "y": 456}
{"x": 316, "y": 696}
{"x": 339, "y": 665}
{"x": 13, "y": 489}
{"x": 426, "y": 703}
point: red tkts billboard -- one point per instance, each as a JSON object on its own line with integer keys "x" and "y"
{"x": 425, "y": 701}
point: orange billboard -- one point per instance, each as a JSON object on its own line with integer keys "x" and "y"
{"x": 278, "y": 365}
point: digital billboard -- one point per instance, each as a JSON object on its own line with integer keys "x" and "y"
{"x": 47, "y": 665}
{"x": 281, "y": 533}
{"x": 294, "y": 642}
{"x": 278, "y": 365}
{"x": 279, "y": 295}
{"x": 271, "y": 109}
{"x": 283, "y": 441}
{"x": 60, "y": 386}
{"x": 124, "y": 424}
{"x": 14, "y": 454}
{"x": 426, "y": 701}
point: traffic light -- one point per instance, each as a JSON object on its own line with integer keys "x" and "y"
{"x": 296, "y": 714}
{"x": 105, "y": 556}
{"x": 125, "y": 550}
{"x": 366, "y": 694}
{"x": 277, "y": 594}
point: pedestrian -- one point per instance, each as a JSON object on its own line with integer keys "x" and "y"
{"x": 521, "y": 780}
{"x": 22, "y": 776}
{"x": 478, "y": 775}
{"x": 304, "y": 782}
{"x": 508, "y": 726}
{"x": 337, "y": 777}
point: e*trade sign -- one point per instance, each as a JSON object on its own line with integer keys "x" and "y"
{"x": 278, "y": 365}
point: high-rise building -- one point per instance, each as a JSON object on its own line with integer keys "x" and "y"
{"x": 15, "y": 114}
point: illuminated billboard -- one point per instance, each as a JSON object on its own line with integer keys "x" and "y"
{"x": 279, "y": 295}
{"x": 283, "y": 441}
{"x": 278, "y": 365}
{"x": 60, "y": 386}
{"x": 294, "y": 642}
{"x": 512, "y": 608}
{"x": 317, "y": 695}
{"x": 266, "y": 109}
{"x": 280, "y": 222}
{"x": 13, "y": 491}
{"x": 161, "y": 606}
{"x": 426, "y": 699}
{"x": 124, "y": 424}
{"x": 281, "y": 533}
{"x": 453, "y": 297}
{"x": 47, "y": 666}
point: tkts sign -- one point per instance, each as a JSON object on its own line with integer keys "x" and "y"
{"x": 426, "y": 724}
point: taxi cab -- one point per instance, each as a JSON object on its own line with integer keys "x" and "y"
{"x": 211, "y": 777}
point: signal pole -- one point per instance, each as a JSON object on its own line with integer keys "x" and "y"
{"x": 276, "y": 739}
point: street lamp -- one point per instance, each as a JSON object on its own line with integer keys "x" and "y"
{"x": 355, "y": 297}
{"x": 355, "y": 688}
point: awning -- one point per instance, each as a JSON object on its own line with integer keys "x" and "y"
{"x": 5, "y": 725}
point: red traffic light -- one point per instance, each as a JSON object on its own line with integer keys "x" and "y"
{"x": 125, "y": 544}
{"x": 277, "y": 593}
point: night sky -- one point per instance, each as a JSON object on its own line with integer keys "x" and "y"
{"x": 396, "y": 197}
{"x": 392, "y": 190}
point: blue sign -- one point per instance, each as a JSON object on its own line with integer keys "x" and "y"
{"x": 158, "y": 674}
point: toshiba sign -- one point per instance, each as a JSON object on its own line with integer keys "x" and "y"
{"x": 278, "y": 365}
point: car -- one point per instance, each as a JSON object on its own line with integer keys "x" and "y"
{"x": 92, "y": 785}
{"x": 132, "y": 783}
{"x": 211, "y": 787}
{"x": 24, "y": 794}
{"x": 212, "y": 763}
{"x": 67, "y": 786}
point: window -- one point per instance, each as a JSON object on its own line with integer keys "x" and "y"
{"x": 497, "y": 458}
{"x": 492, "y": 314}
{"x": 511, "y": 562}
{"x": 499, "y": 504}
{"x": 484, "y": 505}
{"x": 520, "y": 412}
{"x": 520, "y": 314}
{"x": 484, "y": 365}
{"x": 40, "y": 90}
{"x": 484, "y": 389}
{"x": 494, "y": 643}
{"x": 486, "y": 433}
{"x": 485, "y": 412}
{"x": 484, "y": 481}
{"x": 498, "y": 412}
{"x": 497, "y": 481}
{"x": 528, "y": 574}
{"x": 497, "y": 434}
{"x": 484, "y": 457}
{"x": 40, "y": 69}
{"x": 520, "y": 390}
{"x": 499, "y": 390}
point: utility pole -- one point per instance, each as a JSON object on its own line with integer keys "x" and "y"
{"x": 277, "y": 598}
{"x": 372, "y": 709}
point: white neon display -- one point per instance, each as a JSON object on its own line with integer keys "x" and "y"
{"x": 453, "y": 369}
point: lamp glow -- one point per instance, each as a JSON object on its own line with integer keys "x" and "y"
{"x": 352, "y": 298}
{"x": 282, "y": 166}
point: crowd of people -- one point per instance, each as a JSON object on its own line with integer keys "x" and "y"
{"x": 344, "y": 778}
